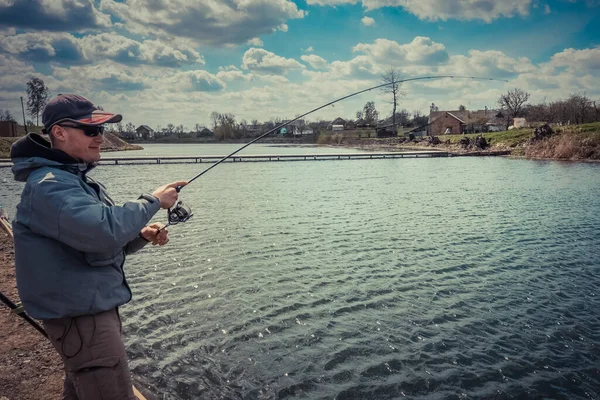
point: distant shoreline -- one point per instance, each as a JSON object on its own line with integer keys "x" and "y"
{"x": 575, "y": 142}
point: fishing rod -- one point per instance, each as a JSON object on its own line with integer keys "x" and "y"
{"x": 181, "y": 213}
{"x": 20, "y": 311}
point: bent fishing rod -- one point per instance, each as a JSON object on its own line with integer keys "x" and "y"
{"x": 181, "y": 213}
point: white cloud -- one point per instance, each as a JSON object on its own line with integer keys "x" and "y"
{"x": 331, "y": 2}
{"x": 314, "y": 60}
{"x": 578, "y": 61}
{"x": 8, "y": 31}
{"x": 52, "y": 15}
{"x": 232, "y": 73}
{"x": 491, "y": 63}
{"x": 368, "y": 21}
{"x": 108, "y": 76}
{"x": 256, "y": 42}
{"x": 68, "y": 49}
{"x": 204, "y": 21}
{"x": 194, "y": 81}
{"x": 360, "y": 68}
{"x": 264, "y": 62}
{"x": 15, "y": 73}
{"x": 271, "y": 79}
{"x": 422, "y": 50}
{"x": 310, "y": 49}
{"x": 486, "y": 10}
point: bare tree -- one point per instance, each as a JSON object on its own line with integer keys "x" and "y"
{"x": 578, "y": 105}
{"x": 403, "y": 117}
{"x": 214, "y": 117}
{"x": 370, "y": 113}
{"x": 37, "y": 97}
{"x": 557, "y": 112}
{"x": 169, "y": 129}
{"x": 130, "y": 128}
{"x": 418, "y": 119}
{"x": 6, "y": 116}
{"x": 225, "y": 126}
{"x": 513, "y": 102}
{"x": 392, "y": 78}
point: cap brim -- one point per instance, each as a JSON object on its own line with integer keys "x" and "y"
{"x": 100, "y": 117}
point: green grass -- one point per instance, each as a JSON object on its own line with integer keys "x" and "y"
{"x": 571, "y": 142}
{"x": 518, "y": 137}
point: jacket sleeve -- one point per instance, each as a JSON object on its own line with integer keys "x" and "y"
{"x": 63, "y": 210}
{"x": 135, "y": 245}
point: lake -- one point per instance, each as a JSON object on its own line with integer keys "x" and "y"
{"x": 428, "y": 278}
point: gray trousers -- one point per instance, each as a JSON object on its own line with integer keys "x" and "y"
{"x": 94, "y": 356}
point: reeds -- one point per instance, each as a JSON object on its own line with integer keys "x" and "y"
{"x": 565, "y": 146}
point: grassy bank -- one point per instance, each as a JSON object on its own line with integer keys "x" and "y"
{"x": 111, "y": 143}
{"x": 574, "y": 142}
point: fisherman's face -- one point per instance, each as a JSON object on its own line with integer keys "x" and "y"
{"x": 76, "y": 143}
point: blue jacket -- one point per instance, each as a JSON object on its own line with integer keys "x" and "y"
{"x": 70, "y": 238}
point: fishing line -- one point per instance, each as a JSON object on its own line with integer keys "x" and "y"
{"x": 181, "y": 213}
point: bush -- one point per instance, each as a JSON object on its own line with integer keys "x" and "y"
{"x": 336, "y": 139}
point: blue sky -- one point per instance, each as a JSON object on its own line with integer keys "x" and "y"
{"x": 176, "y": 61}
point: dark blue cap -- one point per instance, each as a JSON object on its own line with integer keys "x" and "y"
{"x": 77, "y": 109}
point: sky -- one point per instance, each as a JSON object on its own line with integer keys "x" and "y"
{"x": 176, "y": 61}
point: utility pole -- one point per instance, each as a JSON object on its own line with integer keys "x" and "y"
{"x": 24, "y": 122}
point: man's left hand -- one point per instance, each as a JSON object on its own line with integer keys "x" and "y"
{"x": 152, "y": 234}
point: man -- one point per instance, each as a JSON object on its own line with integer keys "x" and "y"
{"x": 71, "y": 241}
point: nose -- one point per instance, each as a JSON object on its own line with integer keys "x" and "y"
{"x": 99, "y": 139}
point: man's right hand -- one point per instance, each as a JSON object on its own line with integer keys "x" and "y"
{"x": 167, "y": 194}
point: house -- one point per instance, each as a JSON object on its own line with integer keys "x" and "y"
{"x": 447, "y": 123}
{"x": 144, "y": 132}
{"x": 418, "y": 131}
{"x": 386, "y": 131}
{"x": 318, "y": 127}
{"x": 8, "y": 129}
{"x": 464, "y": 121}
{"x": 295, "y": 128}
{"x": 519, "y": 123}
{"x": 204, "y": 133}
{"x": 338, "y": 123}
{"x": 255, "y": 128}
{"x": 361, "y": 123}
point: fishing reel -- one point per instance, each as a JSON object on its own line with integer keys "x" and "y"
{"x": 179, "y": 213}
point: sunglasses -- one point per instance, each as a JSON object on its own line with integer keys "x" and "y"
{"x": 91, "y": 131}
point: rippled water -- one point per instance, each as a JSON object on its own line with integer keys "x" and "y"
{"x": 372, "y": 279}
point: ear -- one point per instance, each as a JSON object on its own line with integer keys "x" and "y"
{"x": 59, "y": 133}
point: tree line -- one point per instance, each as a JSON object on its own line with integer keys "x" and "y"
{"x": 575, "y": 109}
